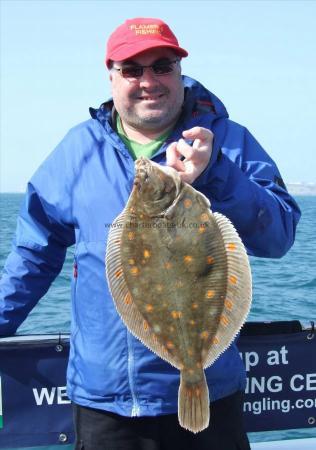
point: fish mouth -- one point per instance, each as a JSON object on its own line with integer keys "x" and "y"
{"x": 141, "y": 162}
{"x": 142, "y": 167}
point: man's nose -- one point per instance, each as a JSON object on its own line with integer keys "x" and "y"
{"x": 148, "y": 77}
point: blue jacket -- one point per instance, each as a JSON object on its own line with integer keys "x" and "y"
{"x": 74, "y": 196}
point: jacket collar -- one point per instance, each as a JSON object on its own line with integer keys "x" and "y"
{"x": 197, "y": 101}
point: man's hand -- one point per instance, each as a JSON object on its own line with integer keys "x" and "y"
{"x": 196, "y": 157}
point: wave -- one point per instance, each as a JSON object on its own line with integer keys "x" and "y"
{"x": 308, "y": 284}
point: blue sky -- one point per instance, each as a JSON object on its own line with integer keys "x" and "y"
{"x": 258, "y": 57}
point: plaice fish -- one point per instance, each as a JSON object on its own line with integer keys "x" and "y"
{"x": 180, "y": 279}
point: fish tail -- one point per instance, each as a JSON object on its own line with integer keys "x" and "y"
{"x": 194, "y": 405}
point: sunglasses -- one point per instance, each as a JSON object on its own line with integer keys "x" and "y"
{"x": 159, "y": 68}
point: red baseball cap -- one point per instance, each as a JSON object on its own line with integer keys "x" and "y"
{"x": 137, "y": 35}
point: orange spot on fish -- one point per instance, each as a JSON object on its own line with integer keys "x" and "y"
{"x": 204, "y": 334}
{"x": 131, "y": 235}
{"x": 187, "y": 259}
{"x": 131, "y": 261}
{"x": 210, "y": 260}
{"x": 210, "y": 293}
{"x": 146, "y": 253}
{"x": 118, "y": 273}
{"x": 204, "y": 217}
{"x": 170, "y": 344}
{"x": 233, "y": 279}
{"x": 224, "y": 321}
{"x": 231, "y": 246}
{"x": 128, "y": 299}
{"x": 187, "y": 203}
{"x": 149, "y": 307}
{"x": 145, "y": 325}
{"x": 215, "y": 340}
{"x": 134, "y": 271}
{"x": 202, "y": 229}
{"x": 228, "y": 304}
{"x": 176, "y": 314}
{"x": 168, "y": 265}
{"x": 197, "y": 392}
{"x": 195, "y": 305}
{"x": 132, "y": 210}
{"x": 192, "y": 322}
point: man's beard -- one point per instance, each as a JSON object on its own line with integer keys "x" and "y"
{"x": 151, "y": 119}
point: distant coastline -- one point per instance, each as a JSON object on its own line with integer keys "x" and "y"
{"x": 297, "y": 189}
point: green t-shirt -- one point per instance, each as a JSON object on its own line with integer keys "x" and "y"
{"x": 135, "y": 148}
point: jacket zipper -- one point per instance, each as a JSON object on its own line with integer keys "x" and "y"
{"x": 130, "y": 362}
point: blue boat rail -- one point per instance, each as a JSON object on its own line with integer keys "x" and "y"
{"x": 280, "y": 394}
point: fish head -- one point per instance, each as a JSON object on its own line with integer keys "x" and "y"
{"x": 155, "y": 186}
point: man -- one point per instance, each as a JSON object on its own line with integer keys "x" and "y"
{"x": 125, "y": 397}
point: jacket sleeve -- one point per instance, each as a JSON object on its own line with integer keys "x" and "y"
{"x": 243, "y": 183}
{"x": 39, "y": 248}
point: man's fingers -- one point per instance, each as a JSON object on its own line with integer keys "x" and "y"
{"x": 191, "y": 160}
{"x": 197, "y": 143}
{"x": 201, "y": 133}
{"x": 176, "y": 151}
{"x": 185, "y": 149}
{"x": 173, "y": 157}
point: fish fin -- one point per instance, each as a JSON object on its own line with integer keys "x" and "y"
{"x": 123, "y": 298}
{"x": 193, "y": 404}
{"x": 237, "y": 300}
{"x": 113, "y": 264}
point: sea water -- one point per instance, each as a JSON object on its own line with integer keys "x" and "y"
{"x": 283, "y": 289}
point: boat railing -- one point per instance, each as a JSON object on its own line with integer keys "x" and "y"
{"x": 280, "y": 363}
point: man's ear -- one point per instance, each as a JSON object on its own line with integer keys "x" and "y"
{"x": 179, "y": 65}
